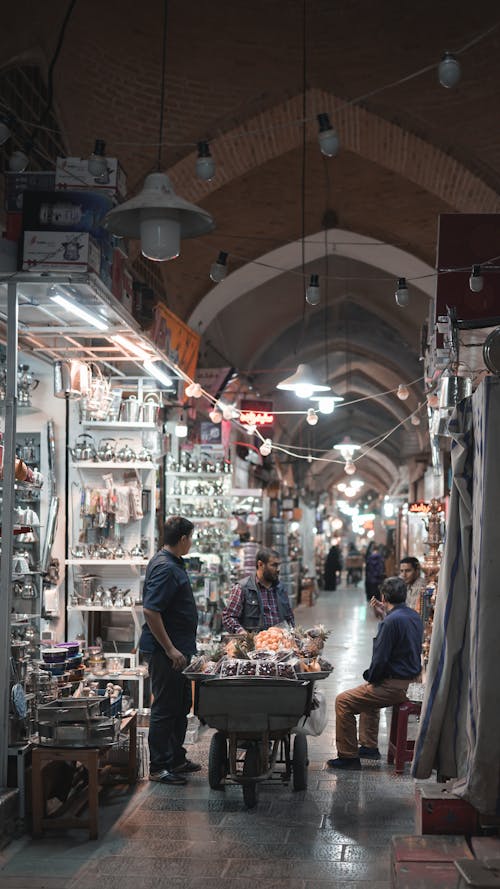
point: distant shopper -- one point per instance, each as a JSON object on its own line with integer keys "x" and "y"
{"x": 259, "y": 601}
{"x": 168, "y": 641}
{"x": 333, "y": 564}
{"x": 396, "y": 661}
{"x": 374, "y": 573}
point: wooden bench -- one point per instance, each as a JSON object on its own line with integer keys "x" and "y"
{"x": 94, "y": 761}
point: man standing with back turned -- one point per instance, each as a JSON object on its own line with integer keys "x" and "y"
{"x": 168, "y": 641}
{"x": 395, "y": 663}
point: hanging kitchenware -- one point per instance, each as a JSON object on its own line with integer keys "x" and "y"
{"x": 106, "y": 450}
{"x": 26, "y": 384}
{"x": 131, "y": 410}
{"x": 71, "y": 379}
{"x": 151, "y": 408}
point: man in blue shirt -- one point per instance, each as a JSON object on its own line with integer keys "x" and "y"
{"x": 395, "y": 663}
{"x": 168, "y": 641}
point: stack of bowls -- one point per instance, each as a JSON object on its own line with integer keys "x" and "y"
{"x": 54, "y": 659}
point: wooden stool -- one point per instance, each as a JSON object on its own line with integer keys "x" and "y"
{"x": 93, "y": 759}
{"x": 400, "y": 749}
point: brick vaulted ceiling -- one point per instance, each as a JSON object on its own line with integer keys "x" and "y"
{"x": 235, "y": 78}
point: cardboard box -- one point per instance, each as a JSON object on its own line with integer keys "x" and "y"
{"x": 73, "y": 173}
{"x": 72, "y": 211}
{"x": 68, "y": 251}
{"x": 17, "y": 183}
{"x": 440, "y": 811}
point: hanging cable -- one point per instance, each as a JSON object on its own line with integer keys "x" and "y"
{"x": 163, "y": 81}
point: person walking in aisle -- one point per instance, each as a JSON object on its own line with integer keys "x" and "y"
{"x": 374, "y": 573}
{"x": 333, "y": 564}
{"x": 168, "y": 641}
{"x": 259, "y": 601}
{"x": 395, "y": 663}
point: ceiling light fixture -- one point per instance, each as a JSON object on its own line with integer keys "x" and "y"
{"x": 402, "y": 392}
{"x": 326, "y": 403}
{"x": 205, "y": 164}
{"x": 180, "y": 428}
{"x": 79, "y": 312}
{"x": 18, "y": 161}
{"x": 327, "y": 137}
{"x": 158, "y": 373}
{"x": 229, "y": 412}
{"x": 415, "y": 420}
{"x": 97, "y": 162}
{"x": 476, "y": 280}
{"x": 347, "y": 448}
{"x": 302, "y": 382}
{"x": 313, "y": 294}
{"x": 193, "y": 390}
{"x": 350, "y": 467}
{"x": 159, "y": 217}
{"x": 131, "y": 347}
{"x": 218, "y": 270}
{"x": 311, "y": 416}
{"x": 402, "y": 296}
{"x": 266, "y": 447}
{"x": 449, "y": 71}
{"x": 215, "y": 415}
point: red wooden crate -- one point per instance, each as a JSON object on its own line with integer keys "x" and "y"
{"x": 440, "y": 812}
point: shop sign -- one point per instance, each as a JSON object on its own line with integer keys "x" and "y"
{"x": 419, "y": 506}
{"x": 178, "y": 342}
{"x": 256, "y": 413}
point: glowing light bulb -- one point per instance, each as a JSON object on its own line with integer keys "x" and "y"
{"x": 415, "y": 420}
{"x": 303, "y": 390}
{"x": 403, "y": 392}
{"x": 349, "y": 467}
{"x": 266, "y": 447}
{"x": 312, "y": 417}
{"x": 215, "y": 415}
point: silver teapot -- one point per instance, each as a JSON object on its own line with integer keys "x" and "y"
{"x": 106, "y": 450}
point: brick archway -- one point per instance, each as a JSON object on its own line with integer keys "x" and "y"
{"x": 277, "y": 131}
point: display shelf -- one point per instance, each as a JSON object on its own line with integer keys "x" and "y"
{"x": 116, "y": 424}
{"x": 113, "y": 563}
{"x": 209, "y": 520}
{"x": 205, "y": 475}
{"x": 89, "y": 464}
{"x": 114, "y": 608}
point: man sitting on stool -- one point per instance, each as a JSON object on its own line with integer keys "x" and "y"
{"x": 395, "y": 663}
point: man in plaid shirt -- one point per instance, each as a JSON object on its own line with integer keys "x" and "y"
{"x": 259, "y": 601}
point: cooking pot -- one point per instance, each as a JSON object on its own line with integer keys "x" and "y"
{"x": 151, "y": 408}
{"x": 71, "y": 379}
{"x": 131, "y": 410}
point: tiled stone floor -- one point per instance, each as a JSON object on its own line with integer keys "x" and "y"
{"x": 335, "y": 834}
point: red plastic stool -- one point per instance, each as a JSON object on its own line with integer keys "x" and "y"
{"x": 400, "y": 749}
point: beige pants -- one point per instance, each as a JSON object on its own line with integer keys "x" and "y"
{"x": 366, "y": 700}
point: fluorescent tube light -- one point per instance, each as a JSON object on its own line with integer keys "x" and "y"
{"x": 151, "y": 368}
{"x": 77, "y": 310}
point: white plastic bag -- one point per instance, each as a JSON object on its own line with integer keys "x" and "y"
{"x": 315, "y": 723}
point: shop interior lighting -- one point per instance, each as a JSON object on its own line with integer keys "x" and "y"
{"x": 476, "y": 280}
{"x": 350, "y": 467}
{"x": 347, "y": 448}
{"x": 18, "y": 161}
{"x": 153, "y": 369}
{"x": 311, "y": 416}
{"x": 230, "y": 412}
{"x": 193, "y": 390}
{"x": 327, "y": 137}
{"x": 74, "y": 309}
{"x": 402, "y": 296}
{"x": 402, "y": 392}
{"x": 266, "y": 447}
{"x": 313, "y": 295}
{"x": 205, "y": 164}
{"x": 326, "y": 403}
{"x": 215, "y": 415}
{"x": 415, "y": 420}
{"x": 131, "y": 347}
{"x": 180, "y": 428}
{"x": 218, "y": 270}
{"x": 97, "y": 163}
{"x": 449, "y": 71}
{"x": 302, "y": 382}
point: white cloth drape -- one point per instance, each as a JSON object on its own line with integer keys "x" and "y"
{"x": 460, "y": 723}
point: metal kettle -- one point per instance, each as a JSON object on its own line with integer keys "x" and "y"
{"x": 106, "y": 450}
{"x": 84, "y": 448}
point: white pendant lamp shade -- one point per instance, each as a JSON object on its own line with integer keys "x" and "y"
{"x": 347, "y": 448}
{"x": 302, "y": 382}
{"x": 159, "y": 217}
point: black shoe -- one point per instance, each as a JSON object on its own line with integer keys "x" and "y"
{"x": 352, "y": 764}
{"x": 369, "y": 752}
{"x": 166, "y": 777}
{"x": 186, "y": 766}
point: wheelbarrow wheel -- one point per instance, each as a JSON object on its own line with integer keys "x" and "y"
{"x": 299, "y": 763}
{"x": 251, "y": 769}
{"x": 217, "y": 760}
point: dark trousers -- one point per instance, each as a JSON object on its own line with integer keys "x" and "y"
{"x": 168, "y": 723}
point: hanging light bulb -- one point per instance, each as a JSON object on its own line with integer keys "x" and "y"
{"x": 433, "y": 400}
{"x": 449, "y": 71}
{"x": 97, "y": 163}
{"x": 313, "y": 295}
{"x": 250, "y": 428}
{"x": 349, "y": 467}
{"x": 205, "y": 164}
{"x": 327, "y": 137}
{"x": 215, "y": 415}
{"x": 312, "y": 417}
{"x": 18, "y": 161}
{"x": 218, "y": 270}
{"x": 229, "y": 412}
{"x": 403, "y": 392}
{"x": 193, "y": 390}
{"x": 476, "y": 280}
{"x": 415, "y": 420}
{"x": 181, "y": 429}
{"x": 402, "y": 296}
{"x": 347, "y": 448}
{"x": 302, "y": 382}
{"x": 309, "y": 458}
{"x": 326, "y": 403}
{"x": 266, "y": 447}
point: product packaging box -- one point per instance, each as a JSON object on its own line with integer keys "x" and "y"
{"x": 77, "y": 211}
{"x": 73, "y": 173}
{"x": 68, "y": 251}
{"x": 440, "y": 811}
{"x": 17, "y": 183}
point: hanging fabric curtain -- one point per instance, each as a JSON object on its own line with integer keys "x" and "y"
{"x": 460, "y": 725}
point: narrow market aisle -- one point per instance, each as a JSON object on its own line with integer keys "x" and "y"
{"x": 335, "y": 834}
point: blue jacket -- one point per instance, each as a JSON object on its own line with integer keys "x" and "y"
{"x": 397, "y": 646}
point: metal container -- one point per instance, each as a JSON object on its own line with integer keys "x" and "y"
{"x": 71, "y": 379}
{"x": 85, "y": 586}
{"x": 453, "y": 390}
{"x": 491, "y": 351}
{"x": 151, "y": 408}
{"x": 131, "y": 410}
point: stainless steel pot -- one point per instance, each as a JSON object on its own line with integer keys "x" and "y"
{"x": 151, "y": 408}
{"x": 131, "y": 410}
{"x": 71, "y": 379}
{"x": 85, "y": 586}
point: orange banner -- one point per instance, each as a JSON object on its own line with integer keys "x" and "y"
{"x": 176, "y": 340}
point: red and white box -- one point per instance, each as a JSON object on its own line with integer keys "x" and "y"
{"x": 440, "y": 811}
{"x": 73, "y": 173}
{"x": 68, "y": 251}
